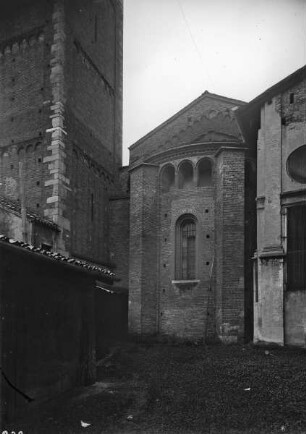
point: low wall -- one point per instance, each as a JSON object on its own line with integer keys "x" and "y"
{"x": 47, "y": 328}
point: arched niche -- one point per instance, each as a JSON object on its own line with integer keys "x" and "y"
{"x": 296, "y": 165}
{"x": 167, "y": 178}
{"x": 185, "y": 174}
{"x": 204, "y": 172}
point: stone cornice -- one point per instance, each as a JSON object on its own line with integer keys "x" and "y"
{"x": 191, "y": 149}
{"x": 231, "y": 148}
{"x": 137, "y": 166}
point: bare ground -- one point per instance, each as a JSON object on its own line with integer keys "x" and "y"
{"x": 180, "y": 388}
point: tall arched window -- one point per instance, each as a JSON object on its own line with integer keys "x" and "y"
{"x": 186, "y": 248}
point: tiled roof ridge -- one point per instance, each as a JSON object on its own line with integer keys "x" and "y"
{"x": 57, "y": 256}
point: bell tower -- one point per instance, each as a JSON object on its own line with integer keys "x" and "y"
{"x": 61, "y": 114}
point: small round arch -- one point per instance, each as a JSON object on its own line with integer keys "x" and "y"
{"x": 185, "y": 174}
{"x": 38, "y": 147}
{"x": 167, "y": 178}
{"x": 204, "y": 167}
{"x": 29, "y": 149}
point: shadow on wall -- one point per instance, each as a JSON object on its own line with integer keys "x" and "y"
{"x": 111, "y": 312}
{"x": 47, "y": 330}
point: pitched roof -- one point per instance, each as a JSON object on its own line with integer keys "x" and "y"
{"x": 186, "y": 108}
{"x": 103, "y": 271}
{"x": 15, "y": 206}
{"x": 278, "y": 88}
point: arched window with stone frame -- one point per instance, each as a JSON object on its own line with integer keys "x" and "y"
{"x": 185, "y": 248}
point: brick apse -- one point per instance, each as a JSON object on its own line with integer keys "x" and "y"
{"x": 187, "y": 225}
{"x": 61, "y": 115}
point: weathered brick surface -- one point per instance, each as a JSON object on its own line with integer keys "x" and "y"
{"x": 187, "y": 313}
{"x": 93, "y": 119}
{"x": 213, "y": 304}
{"x": 119, "y": 241}
{"x": 25, "y": 35}
{"x": 61, "y": 113}
{"x": 143, "y": 250}
{"x": 230, "y": 244}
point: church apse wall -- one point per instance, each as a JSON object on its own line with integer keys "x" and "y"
{"x": 187, "y": 226}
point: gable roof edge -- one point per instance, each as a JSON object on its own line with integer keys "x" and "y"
{"x": 184, "y": 109}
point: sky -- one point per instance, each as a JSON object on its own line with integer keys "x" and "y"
{"x": 174, "y": 50}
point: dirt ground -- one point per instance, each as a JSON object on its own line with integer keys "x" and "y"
{"x": 180, "y": 388}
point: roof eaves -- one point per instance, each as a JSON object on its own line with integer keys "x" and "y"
{"x": 277, "y": 88}
{"x": 15, "y": 207}
{"x": 104, "y": 271}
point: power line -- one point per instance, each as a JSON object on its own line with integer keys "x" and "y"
{"x": 193, "y": 40}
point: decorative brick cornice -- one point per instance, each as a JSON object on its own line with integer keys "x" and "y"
{"x": 99, "y": 170}
{"x": 190, "y": 149}
{"x": 21, "y": 145}
{"x": 22, "y": 41}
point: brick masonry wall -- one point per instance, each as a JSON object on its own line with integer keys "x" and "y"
{"x": 25, "y": 37}
{"x": 143, "y": 250}
{"x": 212, "y": 305}
{"x": 94, "y": 68}
{"x": 250, "y": 235}
{"x": 187, "y": 313}
{"x": 93, "y": 121}
{"x": 119, "y": 240}
{"x": 61, "y": 89}
{"x": 230, "y": 244}
{"x": 89, "y": 209}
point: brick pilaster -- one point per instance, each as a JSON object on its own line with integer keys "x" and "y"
{"x": 143, "y": 250}
{"x": 230, "y": 244}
